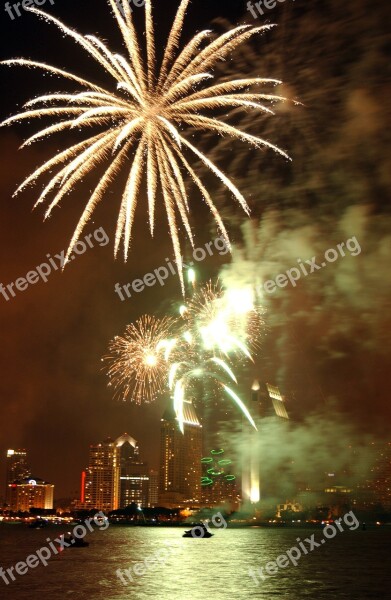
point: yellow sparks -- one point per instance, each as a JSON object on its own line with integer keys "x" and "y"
{"x": 136, "y": 367}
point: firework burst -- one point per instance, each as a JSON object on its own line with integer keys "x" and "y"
{"x": 137, "y": 368}
{"x": 186, "y": 355}
{"x": 226, "y": 321}
{"x": 218, "y": 327}
{"x": 141, "y": 120}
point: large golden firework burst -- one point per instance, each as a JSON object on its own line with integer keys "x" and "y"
{"x": 136, "y": 364}
{"x": 142, "y": 120}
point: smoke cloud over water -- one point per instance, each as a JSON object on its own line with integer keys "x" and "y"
{"x": 320, "y": 452}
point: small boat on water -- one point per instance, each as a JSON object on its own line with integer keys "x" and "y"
{"x": 38, "y": 524}
{"x": 75, "y": 542}
{"x": 198, "y": 531}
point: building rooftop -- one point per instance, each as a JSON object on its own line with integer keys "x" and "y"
{"x": 189, "y": 414}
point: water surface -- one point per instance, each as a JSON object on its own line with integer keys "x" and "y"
{"x": 354, "y": 565}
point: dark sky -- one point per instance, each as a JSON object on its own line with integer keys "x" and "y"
{"x": 53, "y": 396}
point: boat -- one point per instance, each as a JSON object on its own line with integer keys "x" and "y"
{"x": 75, "y": 542}
{"x": 38, "y": 524}
{"x": 195, "y": 534}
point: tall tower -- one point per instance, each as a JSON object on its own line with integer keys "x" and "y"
{"x": 102, "y": 476}
{"x": 17, "y": 469}
{"x": 180, "y": 458}
{"x": 153, "y": 492}
{"x": 266, "y": 402}
{"x": 133, "y": 473}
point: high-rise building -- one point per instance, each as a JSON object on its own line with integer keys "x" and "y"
{"x": 180, "y": 458}
{"x": 30, "y": 493}
{"x": 382, "y": 475}
{"x": 102, "y": 477}
{"x": 267, "y": 403}
{"x": 115, "y": 476}
{"x": 374, "y": 487}
{"x": 17, "y": 468}
{"x": 153, "y": 494}
{"x": 134, "y": 476}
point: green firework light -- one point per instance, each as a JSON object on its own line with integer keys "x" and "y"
{"x": 216, "y": 471}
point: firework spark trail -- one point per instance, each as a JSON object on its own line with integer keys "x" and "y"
{"x": 143, "y": 118}
{"x": 218, "y": 326}
{"x": 198, "y": 348}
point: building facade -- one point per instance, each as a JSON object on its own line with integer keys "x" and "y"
{"x": 267, "y": 403}
{"x": 134, "y": 476}
{"x": 115, "y": 477}
{"x": 102, "y": 477}
{"x": 180, "y": 459}
{"x": 30, "y": 493}
{"x": 153, "y": 492}
{"x": 373, "y": 492}
{"x": 17, "y": 468}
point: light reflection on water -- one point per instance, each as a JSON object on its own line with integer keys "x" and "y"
{"x": 350, "y": 566}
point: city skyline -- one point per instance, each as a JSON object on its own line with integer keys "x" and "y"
{"x": 367, "y": 490}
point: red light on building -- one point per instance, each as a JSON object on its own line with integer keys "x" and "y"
{"x": 82, "y": 489}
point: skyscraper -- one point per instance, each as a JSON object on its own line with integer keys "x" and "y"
{"x": 115, "y": 476}
{"x": 102, "y": 477}
{"x": 134, "y": 476}
{"x": 17, "y": 468}
{"x": 180, "y": 458}
{"x": 267, "y": 403}
{"x": 153, "y": 492}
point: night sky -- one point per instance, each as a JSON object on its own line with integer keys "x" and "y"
{"x": 54, "y": 399}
